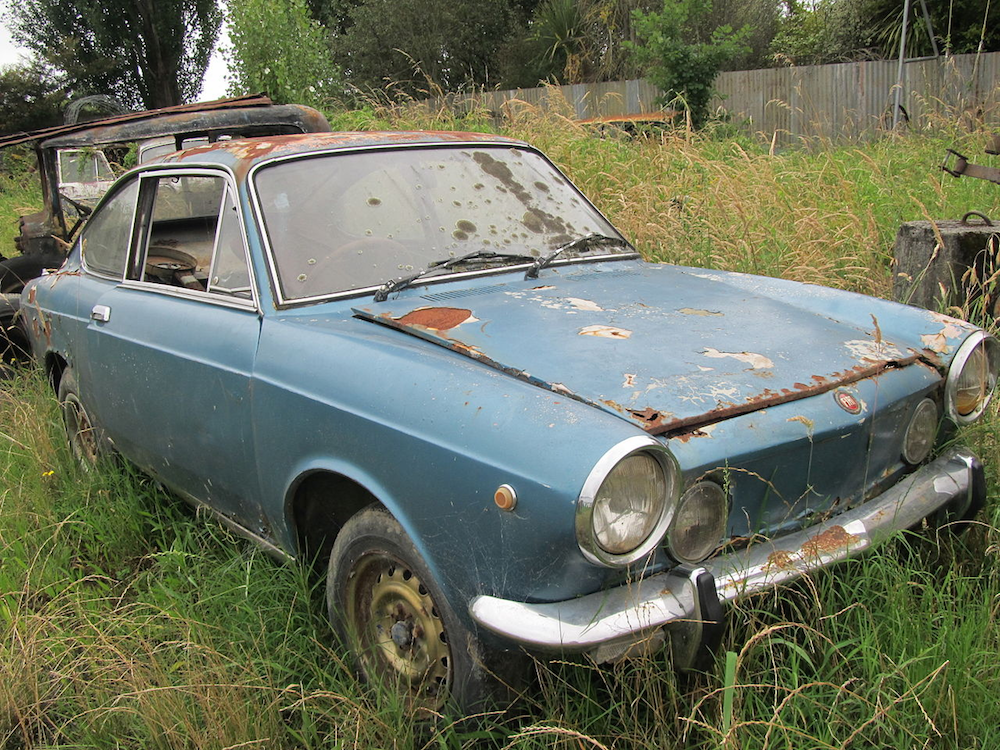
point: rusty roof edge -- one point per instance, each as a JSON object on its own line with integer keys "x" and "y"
{"x": 251, "y": 100}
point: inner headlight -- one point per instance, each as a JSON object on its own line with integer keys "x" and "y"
{"x": 972, "y": 377}
{"x": 920, "y": 432}
{"x": 627, "y": 502}
{"x": 699, "y": 523}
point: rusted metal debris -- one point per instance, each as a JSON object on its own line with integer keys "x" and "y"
{"x": 963, "y": 168}
{"x": 253, "y": 100}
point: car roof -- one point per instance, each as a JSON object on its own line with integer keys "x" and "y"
{"x": 242, "y": 154}
{"x": 246, "y": 116}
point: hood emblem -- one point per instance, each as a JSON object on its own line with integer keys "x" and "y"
{"x": 847, "y": 402}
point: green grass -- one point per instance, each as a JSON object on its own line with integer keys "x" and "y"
{"x": 19, "y": 194}
{"x": 126, "y": 621}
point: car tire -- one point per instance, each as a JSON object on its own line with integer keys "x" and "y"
{"x": 86, "y": 440}
{"x": 15, "y": 348}
{"x": 386, "y": 607}
{"x": 17, "y": 271}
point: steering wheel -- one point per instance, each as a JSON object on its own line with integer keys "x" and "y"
{"x": 168, "y": 265}
{"x": 81, "y": 209}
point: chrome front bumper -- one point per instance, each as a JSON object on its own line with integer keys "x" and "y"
{"x": 607, "y": 624}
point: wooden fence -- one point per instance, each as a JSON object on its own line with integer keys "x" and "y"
{"x": 846, "y": 100}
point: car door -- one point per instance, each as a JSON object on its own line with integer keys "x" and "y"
{"x": 171, "y": 348}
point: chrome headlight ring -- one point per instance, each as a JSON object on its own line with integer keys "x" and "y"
{"x": 699, "y": 524}
{"x": 591, "y": 501}
{"x": 972, "y": 378}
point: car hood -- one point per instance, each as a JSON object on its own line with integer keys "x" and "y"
{"x": 673, "y": 348}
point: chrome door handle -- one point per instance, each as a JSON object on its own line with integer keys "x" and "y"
{"x": 101, "y": 313}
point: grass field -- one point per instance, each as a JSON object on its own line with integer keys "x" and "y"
{"x": 129, "y": 622}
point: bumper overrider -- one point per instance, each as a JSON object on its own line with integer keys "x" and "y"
{"x": 686, "y": 602}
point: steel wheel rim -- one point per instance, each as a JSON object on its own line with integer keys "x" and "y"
{"x": 399, "y": 628}
{"x": 82, "y": 437}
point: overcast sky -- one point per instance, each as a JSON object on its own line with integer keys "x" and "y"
{"x": 215, "y": 78}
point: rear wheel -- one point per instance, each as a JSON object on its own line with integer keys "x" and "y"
{"x": 386, "y": 606}
{"x": 86, "y": 440}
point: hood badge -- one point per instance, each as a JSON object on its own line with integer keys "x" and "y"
{"x": 847, "y": 402}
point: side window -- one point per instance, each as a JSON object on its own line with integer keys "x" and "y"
{"x": 105, "y": 239}
{"x": 182, "y": 230}
{"x": 230, "y": 273}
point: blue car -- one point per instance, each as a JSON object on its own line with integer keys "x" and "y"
{"x": 428, "y": 362}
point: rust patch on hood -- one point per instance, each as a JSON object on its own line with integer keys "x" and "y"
{"x": 606, "y": 332}
{"x": 756, "y": 361}
{"x": 700, "y": 313}
{"x": 770, "y": 398}
{"x": 438, "y": 318}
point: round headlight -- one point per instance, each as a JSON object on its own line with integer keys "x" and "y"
{"x": 920, "y": 432}
{"x": 699, "y": 523}
{"x": 627, "y": 502}
{"x": 972, "y": 377}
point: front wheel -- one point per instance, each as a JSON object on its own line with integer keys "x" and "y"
{"x": 386, "y": 606}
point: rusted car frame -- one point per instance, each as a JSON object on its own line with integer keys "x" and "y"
{"x": 45, "y": 235}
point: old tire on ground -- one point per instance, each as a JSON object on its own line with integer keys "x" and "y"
{"x": 86, "y": 440}
{"x": 17, "y": 271}
{"x": 386, "y": 607}
{"x": 15, "y": 347}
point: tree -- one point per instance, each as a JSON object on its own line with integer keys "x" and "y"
{"x": 32, "y": 97}
{"x": 575, "y": 41}
{"x": 761, "y": 17}
{"x": 410, "y": 46}
{"x": 278, "y": 49}
{"x": 683, "y": 67}
{"x": 150, "y": 53}
{"x": 843, "y": 30}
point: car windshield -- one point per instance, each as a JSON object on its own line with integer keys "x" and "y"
{"x": 340, "y": 222}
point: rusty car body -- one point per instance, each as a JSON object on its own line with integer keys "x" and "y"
{"x": 429, "y": 360}
{"x": 74, "y": 170}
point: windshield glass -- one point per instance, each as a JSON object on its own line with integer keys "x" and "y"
{"x": 338, "y": 222}
{"x": 84, "y": 175}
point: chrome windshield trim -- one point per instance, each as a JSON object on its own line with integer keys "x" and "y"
{"x": 282, "y": 302}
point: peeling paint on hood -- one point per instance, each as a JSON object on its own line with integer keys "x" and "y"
{"x": 758, "y": 347}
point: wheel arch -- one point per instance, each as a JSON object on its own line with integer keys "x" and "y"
{"x": 55, "y": 365}
{"x": 319, "y": 503}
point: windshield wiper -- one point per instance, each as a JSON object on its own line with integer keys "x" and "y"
{"x": 397, "y": 285}
{"x": 580, "y": 244}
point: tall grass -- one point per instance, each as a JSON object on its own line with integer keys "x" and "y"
{"x": 127, "y": 621}
{"x": 19, "y": 194}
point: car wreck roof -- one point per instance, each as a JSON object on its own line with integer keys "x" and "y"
{"x": 244, "y": 153}
{"x": 239, "y": 114}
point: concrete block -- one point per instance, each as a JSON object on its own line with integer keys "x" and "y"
{"x": 928, "y": 272}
